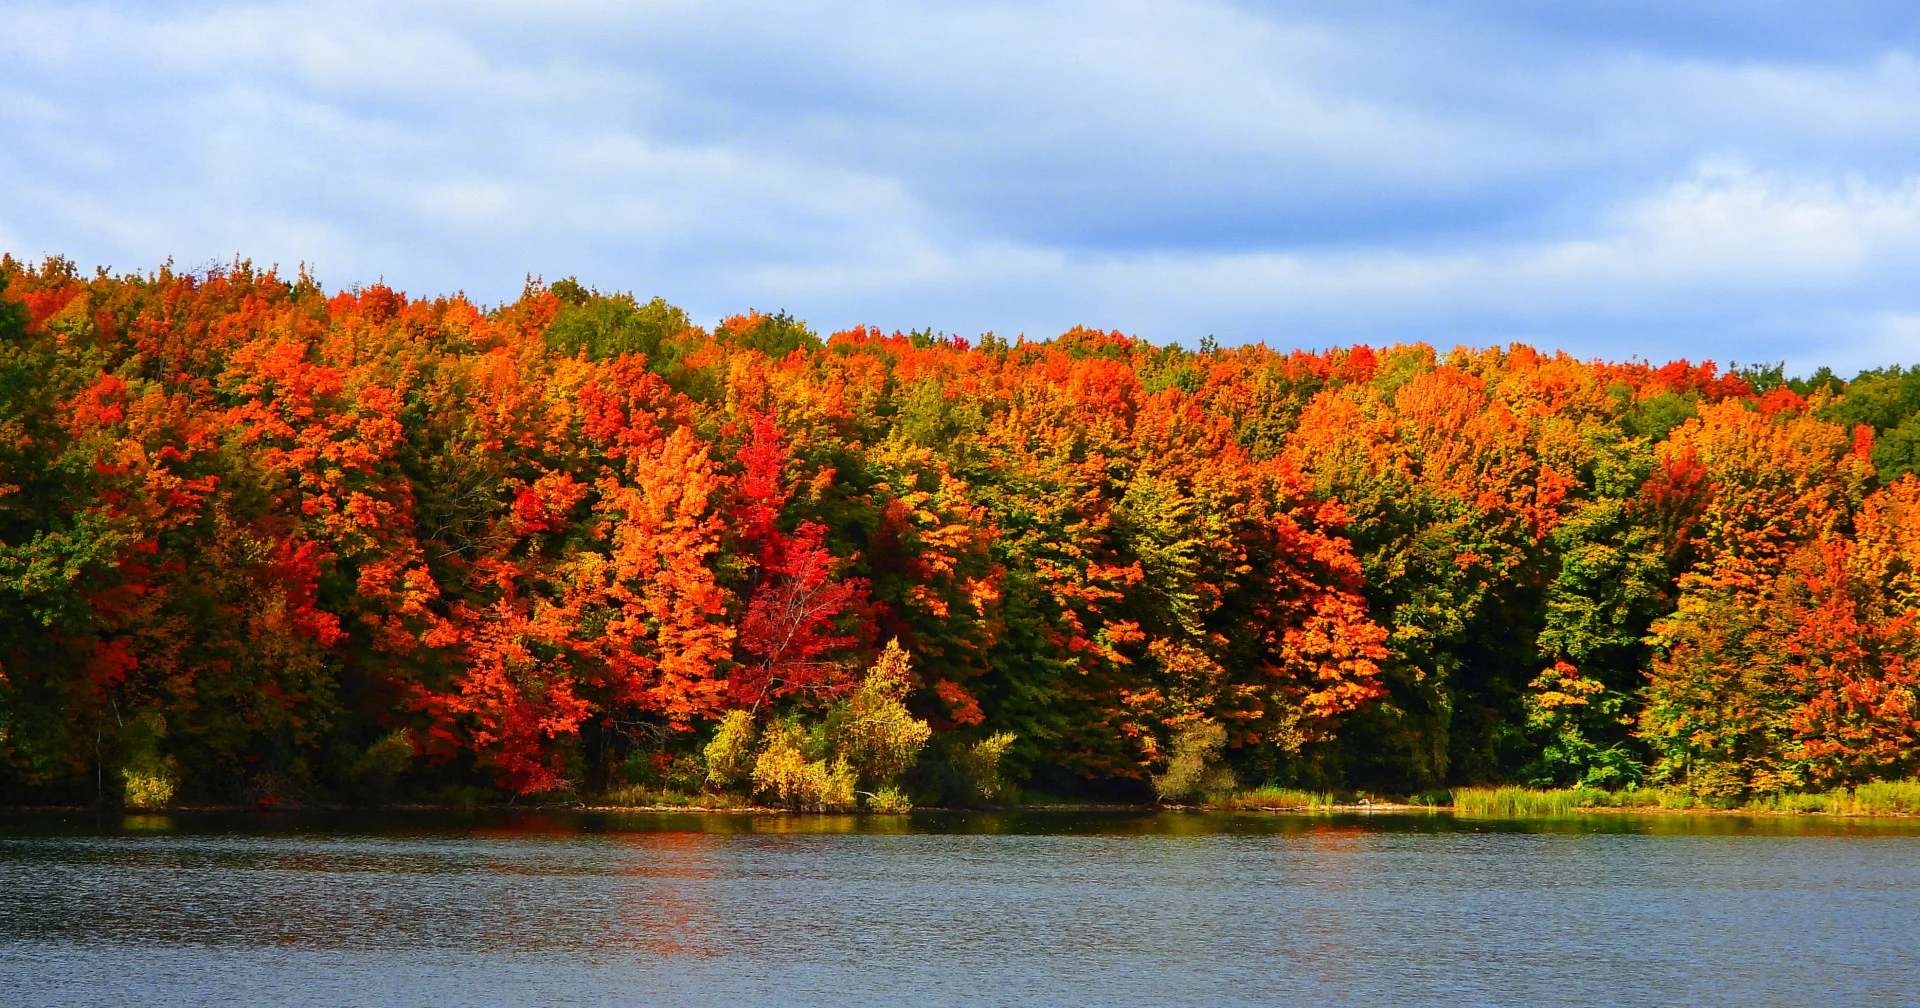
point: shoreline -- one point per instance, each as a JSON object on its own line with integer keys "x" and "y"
{"x": 1369, "y": 808}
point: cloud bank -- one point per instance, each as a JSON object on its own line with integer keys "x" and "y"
{"x": 1659, "y": 180}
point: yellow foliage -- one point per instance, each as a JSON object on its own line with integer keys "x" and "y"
{"x": 1195, "y": 768}
{"x": 730, "y": 755}
{"x": 889, "y": 801}
{"x": 148, "y": 790}
{"x": 979, "y": 764}
{"x": 783, "y": 774}
{"x": 878, "y": 735}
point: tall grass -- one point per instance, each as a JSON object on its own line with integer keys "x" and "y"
{"x": 1877, "y": 798}
{"x": 1515, "y": 801}
{"x": 1888, "y": 796}
{"x": 1278, "y": 798}
{"x": 1649, "y": 798}
{"x": 640, "y": 796}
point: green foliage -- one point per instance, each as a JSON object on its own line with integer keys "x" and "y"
{"x": 1569, "y": 711}
{"x": 1896, "y": 451}
{"x": 775, "y": 335}
{"x": 1763, "y": 377}
{"x": 1886, "y": 400}
{"x": 604, "y": 326}
{"x": 1656, "y": 416}
{"x": 376, "y": 771}
{"x": 979, "y": 766}
{"x": 48, "y": 573}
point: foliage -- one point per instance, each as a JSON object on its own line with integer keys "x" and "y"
{"x": 874, "y": 731}
{"x": 730, "y": 754}
{"x": 368, "y": 546}
{"x": 1569, "y": 710}
{"x": 150, "y": 778}
{"x": 889, "y": 801}
{"x": 1195, "y": 769}
{"x": 377, "y": 769}
{"x": 782, "y": 773}
{"x": 979, "y": 766}
{"x": 868, "y": 738}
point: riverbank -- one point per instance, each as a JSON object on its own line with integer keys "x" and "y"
{"x": 1529, "y": 804}
{"x": 1880, "y": 798}
{"x": 1897, "y": 798}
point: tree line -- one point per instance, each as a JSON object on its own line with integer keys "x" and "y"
{"x": 256, "y": 538}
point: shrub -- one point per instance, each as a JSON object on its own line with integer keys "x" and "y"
{"x": 376, "y": 770}
{"x": 730, "y": 758}
{"x": 889, "y": 801}
{"x": 783, "y": 774}
{"x": 979, "y": 765}
{"x": 1194, "y": 769}
{"x": 148, "y": 790}
{"x": 149, "y": 777}
{"x": 874, "y": 730}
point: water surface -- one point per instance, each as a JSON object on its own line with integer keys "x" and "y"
{"x": 948, "y": 909}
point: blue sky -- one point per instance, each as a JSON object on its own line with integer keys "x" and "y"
{"x": 1709, "y": 180}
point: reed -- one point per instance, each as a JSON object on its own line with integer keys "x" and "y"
{"x": 1832, "y": 801}
{"x": 1874, "y": 798}
{"x": 641, "y": 796}
{"x": 1279, "y": 798}
{"x": 1509, "y": 802}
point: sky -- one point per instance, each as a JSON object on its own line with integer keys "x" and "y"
{"x": 1710, "y": 180}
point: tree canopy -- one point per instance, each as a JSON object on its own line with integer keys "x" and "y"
{"x": 250, "y": 532}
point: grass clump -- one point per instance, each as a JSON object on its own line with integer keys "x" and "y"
{"x": 1277, "y": 798}
{"x": 1875, "y": 798}
{"x": 642, "y": 796}
{"x": 1516, "y": 801}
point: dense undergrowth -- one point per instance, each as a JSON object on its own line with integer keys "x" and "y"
{"x": 259, "y": 542}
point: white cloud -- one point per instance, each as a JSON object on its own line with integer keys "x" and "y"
{"x": 1170, "y": 169}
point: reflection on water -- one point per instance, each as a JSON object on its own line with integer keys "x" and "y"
{"x": 945, "y": 908}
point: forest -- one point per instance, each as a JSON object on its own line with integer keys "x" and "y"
{"x": 262, "y": 543}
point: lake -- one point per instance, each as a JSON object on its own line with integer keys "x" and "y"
{"x": 956, "y": 909}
